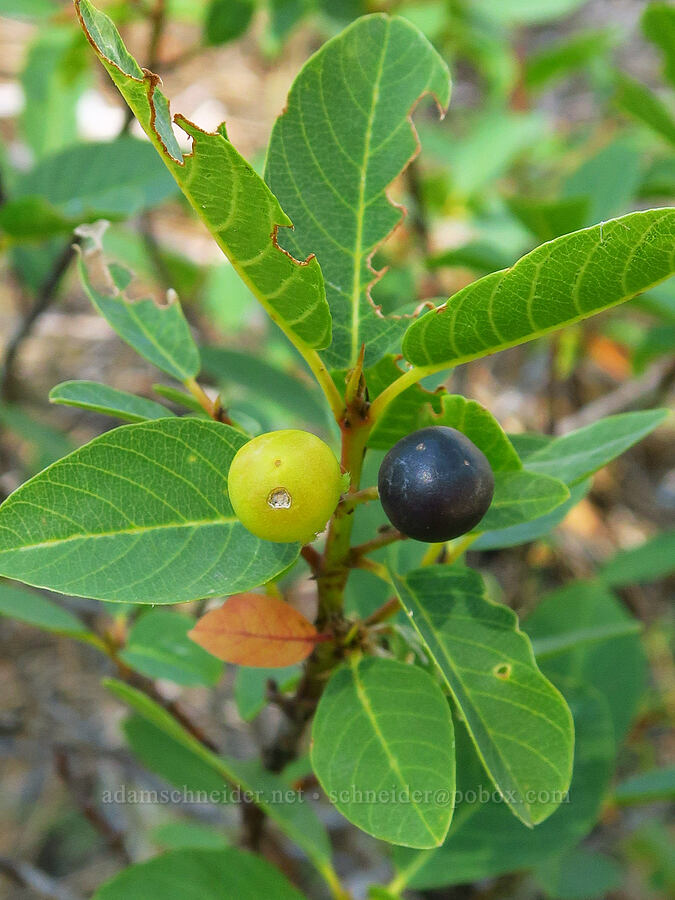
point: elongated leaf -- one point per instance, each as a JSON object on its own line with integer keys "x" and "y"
{"x": 159, "y": 334}
{"x": 344, "y": 136}
{"x": 34, "y": 609}
{"x": 658, "y": 24}
{"x": 518, "y": 721}
{"x": 294, "y": 816}
{"x": 405, "y": 413}
{"x": 207, "y": 874}
{"x": 383, "y": 749}
{"x": 33, "y": 218}
{"x": 158, "y": 646}
{"x": 574, "y": 456}
{"x": 141, "y": 515}
{"x": 224, "y": 190}
{"x": 557, "y": 284}
{"x": 657, "y": 784}
{"x": 107, "y": 400}
{"x": 110, "y": 180}
{"x": 549, "y": 219}
{"x": 579, "y": 874}
{"x": 522, "y": 496}
{"x": 616, "y": 666}
{"x": 256, "y": 630}
{"x": 552, "y": 645}
{"x": 644, "y": 105}
{"x": 650, "y": 561}
{"x": 535, "y": 528}
{"x": 485, "y": 840}
{"x": 185, "y": 835}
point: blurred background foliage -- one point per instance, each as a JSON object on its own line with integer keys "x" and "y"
{"x": 563, "y": 115}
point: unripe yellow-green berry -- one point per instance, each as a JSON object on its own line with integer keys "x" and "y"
{"x": 285, "y": 485}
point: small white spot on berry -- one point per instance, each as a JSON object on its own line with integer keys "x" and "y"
{"x": 279, "y": 498}
{"x": 421, "y": 446}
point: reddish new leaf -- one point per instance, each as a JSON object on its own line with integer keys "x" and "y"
{"x": 256, "y": 630}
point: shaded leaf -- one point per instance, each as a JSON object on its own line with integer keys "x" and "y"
{"x": 406, "y": 413}
{"x": 644, "y": 105}
{"x": 34, "y": 609}
{"x": 579, "y": 874}
{"x": 33, "y": 218}
{"x": 658, "y": 24}
{"x": 557, "y": 284}
{"x": 226, "y": 20}
{"x": 256, "y": 630}
{"x": 343, "y": 138}
{"x": 550, "y": 219}
{"x": 141, "y": 515}
{"x": 216, "y": 179}
{"x": 578, "y": 454}
{"x": 383, "y": 750}
{"x": 486, "y": 840}
{"x": 207, "y": 874}
{"x": 616, "y": 666}
{"x": 159, "y": 334}
{"x": 609, "y": 179}
{"x": 565, "y": 57}
{"x": 110, "y": 180}
{"x": 158, "y": 646}
{"x": 250, "y": 687}
{"x": 187, "y": 835}
{"x": 519, "y": 723}
{"x": 107, "y": 400}
{"x": 647, "y": 787}
{"x": 650, "y": 561}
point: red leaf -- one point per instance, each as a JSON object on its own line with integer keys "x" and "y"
{"x": 256, "y": 630}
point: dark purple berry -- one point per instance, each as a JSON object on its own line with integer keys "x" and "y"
{"x": 435, "y": 484}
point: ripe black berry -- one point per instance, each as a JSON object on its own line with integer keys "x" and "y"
{"x": 435, "y": 484}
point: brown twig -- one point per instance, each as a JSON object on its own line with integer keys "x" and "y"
{"x": 384, "y": 539}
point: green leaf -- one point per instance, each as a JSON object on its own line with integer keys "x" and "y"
{"x": 481, "y": 427}
{"x": 518, "y": 721}
{"x": 647, "y": 787}
{"x": 545, "y": 647}
{"x": 406, "y": 413}
{"x": 650, "y": 561}
{"x": 111, "y": 180}
{"x": 139, "y": 515}
{"x": 578, "y": 454}
{"x": 485, "y": 840}
{"x": 343, "y": 138}
{"x": 206, "y": 874}
{"x": 557, "y": 284}
{"x": 526, "y": 11}
{"x": 27, "y": 9}
{"x": 225, "y": 191}
{"x": 159, "y": 334}
{"x": 187, "y": 836}
{"x": 294, "y": 816}
{"x": 226, "y": 20}
{"x": 107, "y": 400}
{"x": 644, "y": 105}
{"x": 178, "y": 764}
{"x": 658, "y": 24}
{"x": 250, "y": 687}
{"x": 266, "y": 380}
{"x": 616, "y": 666}
{"x": 609, "y": 179}
{"x": 34, "y": 219}
{"x": 550, "y": 219}
{"x": 579, "y": 874}
{"x": 520, "y": 497}
{"x": 53, "y": 79}
{"x": 565, "y": 57}
{"x": 158, "y": 646}
{"x": 383, "y": 750}
{"x": 45, "y": 444}
{"x": 534, "y": 529}
{"x": 34, "y": 609}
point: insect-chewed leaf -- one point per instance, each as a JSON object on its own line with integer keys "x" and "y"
{"x": 518, "y": 721}
{"x": 236, "y": 205}
{"x": 256, "y": 630}
{"x": 159, "y": 334}
{"x": 557, "y": 284}
{"x": 139, "y": 515}
{"x": 344, "y": 137}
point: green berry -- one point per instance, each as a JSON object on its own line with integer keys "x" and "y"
{"x": 285, "y": 485}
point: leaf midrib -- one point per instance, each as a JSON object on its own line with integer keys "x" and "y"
{"x": 360, "y": 210}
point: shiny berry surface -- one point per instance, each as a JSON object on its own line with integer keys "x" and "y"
{"x": 435, "y": 484}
